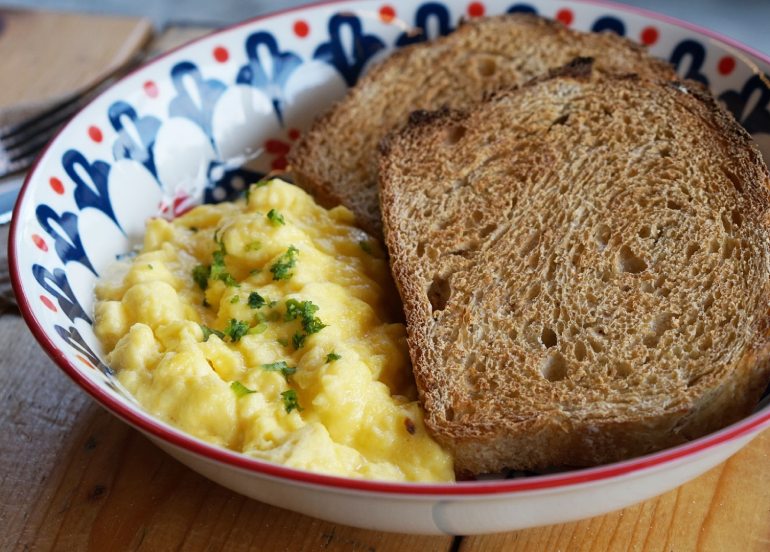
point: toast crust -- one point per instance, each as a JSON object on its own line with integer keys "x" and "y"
{"x": 608, "y": 297}
{"x": 336, "y": 159}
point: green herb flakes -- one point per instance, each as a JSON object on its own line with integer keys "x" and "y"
{"x": 256, "y": 301}
{"x": 275, "y": 218}
{"x": 240, "y": 389}
{"x": 290, "y": 401}
{"x": 207, "y": 332}
{"x": 281, "y": 367}
{"x": 234, "y": 299}
{"x": 258, "y": 329}
{"x": 253, "y": 246}
{"x": 366, "y": 246}
{"x": 282, "y": 341}
{"x": 201, "y": 275}
{"x": 298, "y": 340}
{"x": 331, "y": 357}
{"x": 236, "y": 329}
{"x": 305, "y": 311}
{"x": 281, "y": 269}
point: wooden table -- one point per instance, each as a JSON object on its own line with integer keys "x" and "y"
{"x": 72, "y": 477}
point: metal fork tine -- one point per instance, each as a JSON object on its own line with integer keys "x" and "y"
{"x": 19, "y": 138}
{"x": 11, "y": 130}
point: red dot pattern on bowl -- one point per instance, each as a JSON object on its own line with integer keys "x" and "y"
{"x": 476, "y": 9}
{"x": 221, "y": 54}
{"x": 565, "y": 16}
{"x": 387, "y": 13}
{"x": 48, "y": 303}
{"x": 301, "y": 28}
{"x": 56, "y": 185}
{"x": 39, "y": 242}
{"x": 649, "y": 36}
{"x": 726, "y": 65}
{"x": 150, "y": 88}
{"x": 95, "y": 134}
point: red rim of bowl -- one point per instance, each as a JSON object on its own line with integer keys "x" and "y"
{"x": 144, "y": 422}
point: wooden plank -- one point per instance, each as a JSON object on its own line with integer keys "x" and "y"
{"x": 727, "y": 508}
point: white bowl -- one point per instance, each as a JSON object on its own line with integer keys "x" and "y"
{"x": 208, "y": 117}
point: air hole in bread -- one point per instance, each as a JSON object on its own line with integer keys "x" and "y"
{"x": 602, "y": 235}
{"x": 623, "y": 369}
{"x": 531, "y": 243}
{"x": 673, "y": 205}
{"x": 714, "y": 246}
{"x": 736, "y": 182}
{"x": 737, "y": 218}
{"x": 691, "y": 250}
{"x": 727, "y": 223}
{"x": 420, "y": 248}
{"x": 487, "y": 67}
{"x": 629, "y": 262}
{"x": 595, "y": 344}
{"x": 454, "y": 134}
{"x": 548, "y": 337}
{"x": 644, "y": 231}
{"x": 561, "y": 120}
{"x": 449, "y": 414}
{"x": 554, "y": 367}
{"x": 487, "y": 230}
{"x": 580, "y": 351}
{"x": 533, "y": 291}
{"x": 730, "y": 246}
{"x": 705, "y": 343}
{"x": 577, "y": 253}
{"x": 438, "y": 293}
{"x": 477, "y": 216}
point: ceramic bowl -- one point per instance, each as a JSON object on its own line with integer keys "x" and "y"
{"x": 202, "y": 121}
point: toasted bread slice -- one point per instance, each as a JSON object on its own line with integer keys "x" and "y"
{"x": 336, "y": 160}
{"x": 585, "y": 269}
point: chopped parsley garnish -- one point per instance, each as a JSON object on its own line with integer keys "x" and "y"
{"x": 305, "y": 311}
{"x": 259, "y": 184}
{"x": 193, "y": 229}
{"x": 290, "y": 401}
{"x": 281, "y": 367}
{"x": 150, "y": 266}
{"x": 241, "y": 389}
{"x": 331, "y": 357}
{"x": 236, "y": 329}
{"x": 218, "y": 269}
{"x": 366, "y": 246}
{"x": 282, "y": 341}
{"x": 258, "y": 329}
{"x": 208, "y": 331}
{"x": 256, "y": 300}
{"x": 281, "y": 269}
{"x": 275, "y": 218}
{"x": 255, "y": 271}
{"x": 253, "y": 246}
{"x": 298, "y": 340}
{"x": 234, "y": 299}
{"x": 201, "y": 275}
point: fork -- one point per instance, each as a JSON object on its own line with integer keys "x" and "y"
{"x": 21, "y": 142}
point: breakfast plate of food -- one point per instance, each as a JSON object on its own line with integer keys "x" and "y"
{"x": 432, "y": 267}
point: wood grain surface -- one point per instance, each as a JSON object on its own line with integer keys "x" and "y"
{"x": 72, "y": 477}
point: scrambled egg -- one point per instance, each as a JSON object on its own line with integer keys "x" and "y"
{"x": 266, "y": 326}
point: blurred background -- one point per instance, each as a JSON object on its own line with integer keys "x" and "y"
{"x": 746, "y": 20}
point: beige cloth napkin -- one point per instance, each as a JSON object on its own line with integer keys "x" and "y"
{"x": 47, "y": 58}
